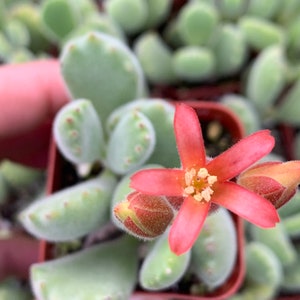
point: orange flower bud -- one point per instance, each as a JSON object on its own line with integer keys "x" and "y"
{"x": 144, "y": 216}
{"x": 275, "y": 181}
{"x": 175, "y": 201}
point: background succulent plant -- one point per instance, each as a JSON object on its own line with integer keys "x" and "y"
{"x": 280, "y": 267}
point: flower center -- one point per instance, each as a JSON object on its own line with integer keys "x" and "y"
{"x": 198, "y": 184}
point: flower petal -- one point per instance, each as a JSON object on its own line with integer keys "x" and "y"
{"x": 187, "y": 225}
{"x": 167, "y": 182}
{"x": 241, "y": 155}
{"x": 246, "y": 204}
{"x": 189, "y": 138}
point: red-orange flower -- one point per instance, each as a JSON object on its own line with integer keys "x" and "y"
{"x": 275, "y": 181}
{"x": 202, "y": 183}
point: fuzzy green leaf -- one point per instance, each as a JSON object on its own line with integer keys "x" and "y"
{"x": 105, "y": 271}
{"x": 73, "y": 212}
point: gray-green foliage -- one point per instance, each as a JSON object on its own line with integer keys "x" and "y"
{"x": 131, "y": 143}
{"x": 98, "y": 21}
{"x": 297, "y": 146}
{"x": 289, "y": 9}
{"x": 266, "y": 79}
{"x": 290, "y": 216}
{"x": 260, "y": 33}
{"x": 104, "y": 271}
{"x": 134, "y": 16}
{"x": 29, "y": 14}
{"x": 5, "y": 47}
{"x": 230, "y": 49}
{"x": 16, "y": 33}
{"x": 196, "y": 23}
{"x": 231, "y": 9}
{"x": 155, "y": 57}
{"x": 15, "y": 38}
{"x": 262, "y": 264}
{"x": 161, "y": 114}
{"x": 158, "y": 11}
{"x": 4, "y": 189}
{"x": 21, "y": 183}
{"x": 194, "y": 63}
{"x": 263, "y": 273}
{"x": 293, "y": 31}
{"x": 72, "y": 212}
{"x": 102, "y": 69}
{"x": 78, "y": 132}
{"x": 292, "y": 225}
{"x": 245, "y": 111}
{"x": 291, "y": 278}
{"x": 264, "y": 9}
{"x": 278, "y": 241}
{"x": 289, "y": 109}
{"x": 214, "y": 253}
{"x": 18, "y": 176}
{"x": 131, "y": 15}
{"x": 59, "y": 18}
{"x": 138, "y": 132}
{"x": 11, "y": 288}
{"x": 256, "y": 291}
{"x": 291, "y": 207}
{"x": 3, "y": 15}
{"x": 162, "y": 268}
{"x": 273, "y": 257}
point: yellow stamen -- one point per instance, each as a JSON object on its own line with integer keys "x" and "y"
{"x": 212, "y": 179}
{"x": 202, "y": 173}
{"x": 189, "y": 190}
{"x": 198, "y": 184}
{"x": 189, "y": 176}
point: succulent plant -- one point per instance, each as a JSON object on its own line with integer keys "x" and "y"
{"x": 113, "y": 54}
{"x": 111, "y": 125}
{"x": 156, "y": 58}
{"x": 272, "y": 258}
{"x": 214, "y": 253}
{"x": 59, "y": 19}
{"x": 264, "y": 273}
{"x": 19, "y": 185}
{"x": 162, "y": 268}
{"x": 245, "y": 109}
{"x": 72, "y": 212}
{"x": 91, "y": 66}
{"x": 266, "y": 79}
{"x": 11, "y": 288}
{"x": 160, "y": 113}
{"x": 136, "y": 148}
{"x": 111, "y": 264}
{"x": 70, "y": 127}
{"x": 288, "y": 111}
